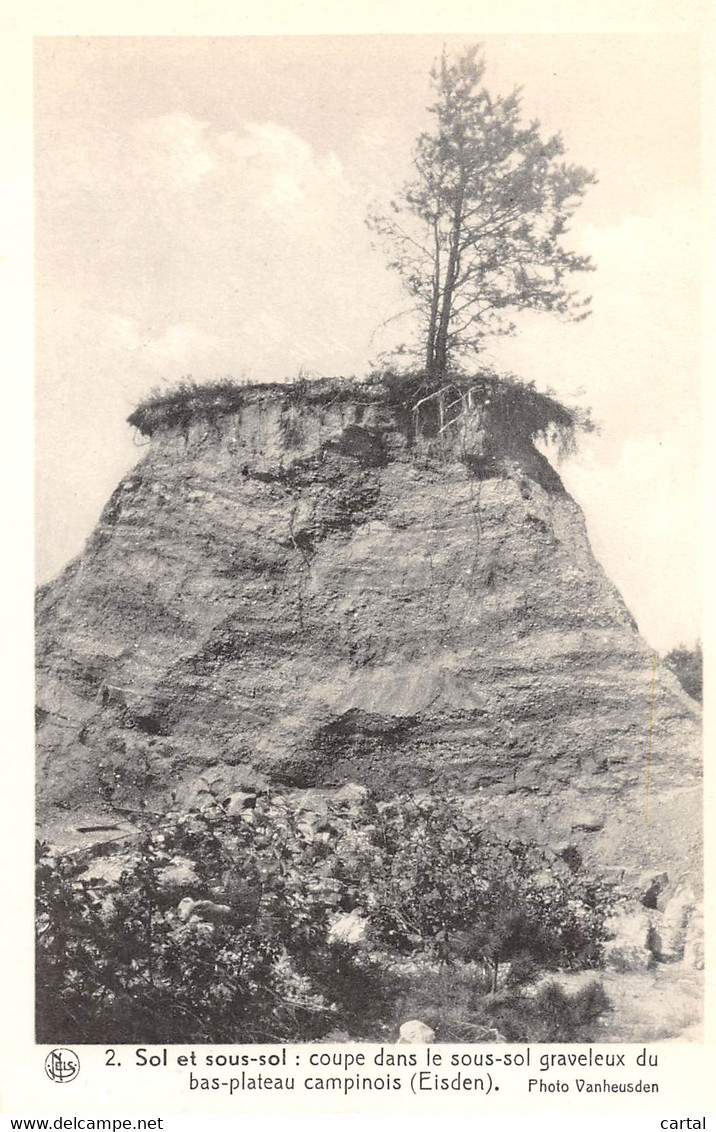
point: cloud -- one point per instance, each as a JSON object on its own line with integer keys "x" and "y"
{"x": 176, "y": 223}
{"x": 277, "y": 169}
{"x": 643, "y": 513}
{"x": 264, "y": 166}
{"x": 172, "y": 151}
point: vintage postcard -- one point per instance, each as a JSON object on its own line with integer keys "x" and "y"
{"x": 368, "y": 764}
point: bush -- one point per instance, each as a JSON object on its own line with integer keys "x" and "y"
{"x": 551, "y": 1015}
{"x": 688, "y": 667}
{"x": 251, "y": 955}
{"x": 439, "y": 884}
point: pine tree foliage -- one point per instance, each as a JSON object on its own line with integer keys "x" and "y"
{"x": 477, "y": 234}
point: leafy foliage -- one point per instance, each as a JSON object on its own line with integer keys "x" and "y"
{"x": 477, "y": 234}
{"x": 550, "y": 1015}
{"x": 688, "y": 667}
{"x": 254, "y": 954}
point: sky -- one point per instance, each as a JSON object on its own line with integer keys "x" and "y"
{"x": 200, "y": 210}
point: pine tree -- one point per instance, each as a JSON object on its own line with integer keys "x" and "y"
{"x": 476, "y": 235}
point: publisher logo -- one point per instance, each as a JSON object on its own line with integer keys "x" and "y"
{"x": 62, "y": 1065}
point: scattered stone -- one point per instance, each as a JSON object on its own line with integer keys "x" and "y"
{"x": 415, "y": 1033}
{"x": 631, "y": 945}
{"x": 651, "y": 886}
{"x": 348, "y": 928}
{"x": 352, "y": 794}
{"x": 626, "y": 956}
{"x": 694, "y": 942}
{"x": 181, "y": 873}
{"x": 207, "y": 910}
{"x": 314, "y": 803}
{"x": 589, "y": 821}
{"x": 108, "y": 870}
{"x": 335, "y": 1036}
{"x": 669, "y": 935}
{"x": 236, "y": 803}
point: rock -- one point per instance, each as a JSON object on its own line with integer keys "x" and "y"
{"x": 349, "y": 928}
{"x": 694, "y": 942}
{"x": 108, "y": 870}
{"x": 180, "y": 874}
{"x": 626, "y": 956}
{"x": 315, "y": 804}
{"x": 217, "y": 785}
{"x": 184, "y": 908}
{"x": 236, "y": 803}
{"x": 589, "y": 821}
{"x": 335, "y": 1036}
{"x": 352, "y": 794}
{"x": 673, "y": 898}
{"x": 415, "y": 1033}
{"x": 630, "y": 926}
{"x": 651, "y": 885}
{"x": 204, "y": 910}
{"x": 669, "y": 936}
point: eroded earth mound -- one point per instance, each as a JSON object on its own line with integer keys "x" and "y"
{"x": 315, "y": 587}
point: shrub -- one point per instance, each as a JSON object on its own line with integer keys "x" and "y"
{"x": 551, "y": 1015}
{"x": 441, "y": 885}
{"x": 254, "y": 958}
{"x": 687, "y": 665}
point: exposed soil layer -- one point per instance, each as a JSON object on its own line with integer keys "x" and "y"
{"x": 323, "y": 592}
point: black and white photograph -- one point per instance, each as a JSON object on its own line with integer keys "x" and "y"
{"x": 368, "y": 551}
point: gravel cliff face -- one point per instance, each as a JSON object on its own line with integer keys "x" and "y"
{"x": 312, "y": 594}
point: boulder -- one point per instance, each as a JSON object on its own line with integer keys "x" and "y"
{"x": 650, "y": 886}
{"x": 630, "y": 926}
{"x": 108, "y": 870}
{"x": 626, "y": 956}
{"x": 694, "y": 942}
{"x": 180, "y": 874}
{"x": 236, "y": 803}
{"x": 669, "y": 935}
{"x": 205, "y": 910}
{"x": 314, "y": 803}
{"x": 348, "y": 928}
{"x": 352, "y": 794}
{"x": 415, "y": 1033}
{"x": 629, "y": 949}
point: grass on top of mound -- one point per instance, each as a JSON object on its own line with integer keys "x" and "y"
{"x": 522, "y": 409}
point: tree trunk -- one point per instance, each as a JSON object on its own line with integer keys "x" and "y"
{"x": 434, "y": 304}
{"x": 440, "y": 359}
